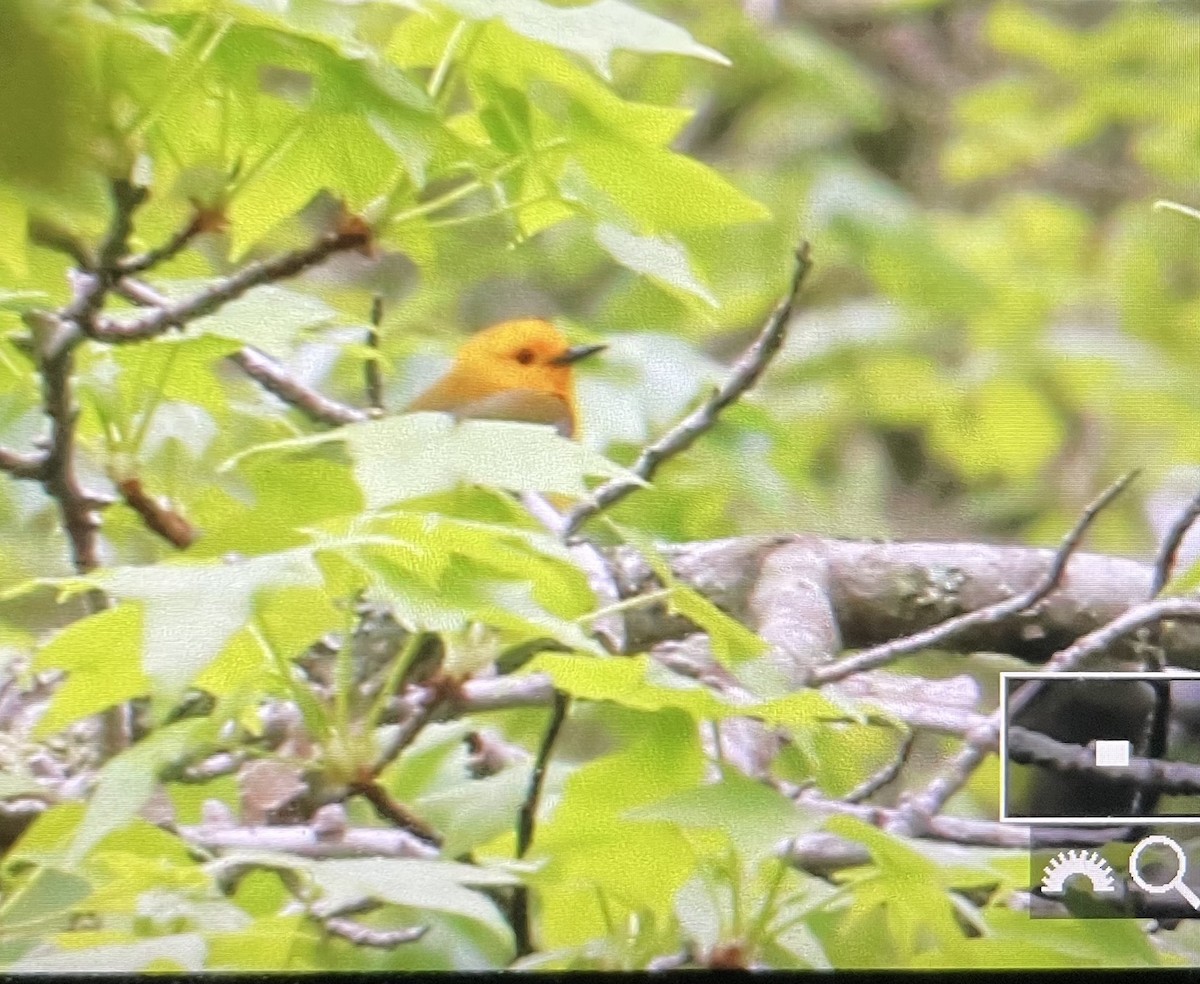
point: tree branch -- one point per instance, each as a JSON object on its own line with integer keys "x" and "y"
{"x": 943, "y": 633}
{"x": 1027, "y": 747}
{"x": 1168, "y": 551}
{"x": 21, "y": 465}
{"x": 380, "y": 939}
{"x": 221, "y": 292}
{"x": 745, "y": 374}
{"x": 274, "y": 378}
{"x": 203, "y": 220}
{"x": 306, "y": 841}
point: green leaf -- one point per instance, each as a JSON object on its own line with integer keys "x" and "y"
{"x": 587, "y": 840}
{"x": 125, "y": 783}
{"x": 562, "y": 93}
{"x": 905, "y": 891}
{"x": 417, "y": 454}
{"x": 475, "y": 812}
{"x": 440, "y": 573}
{"x": 505, "y": 114}
{"x": 296, "y": 116}
{"x": 593, "y": 30}
{"x": 53, "y": 121}
{"x": 21, "y": 300}
{"x": 40, "y": 895}
{"x": 14, "y": 224}
{"x": 442, "y": 886}
{"x": 1014, "y": 941}
{"x": 270, "y": 945}
{"x": 754, "y": 816}
{"x": 635, "y": 682}
{"x": 213, "y": 600}
{"x": 672, "y": 192}
{"x": 102, "y": 657}
{"x": 661, "y": 258}
{"x": 269, "y": 318}
{"x": 182, "y": 952}
{"x": 316, "y": 490}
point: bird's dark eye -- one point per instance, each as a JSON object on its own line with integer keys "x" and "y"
{"x": 525, "y": 356}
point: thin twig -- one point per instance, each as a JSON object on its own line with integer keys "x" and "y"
{"x": 127, "y": 197}
{"x": 273, "y": 377}
{"x": 161, "y": 520}
{"x": 746, "y": 372}
{"x": 1145, "y": 801}
{"x": 21, "y": 465}
{"x": 221, "y": 292}
{"x": 943, "y": 632}
{"x": 872, "y": 784}
{"x": 261, "y": 367}
{"x": 371, "y": 369}
{"x": 919, "y": 807}
{"x": 203, "y": 220}
{"x": 56, "y": 335}
{"x": 1168, "y": 551}
{"x": 380, "y": 939}
{"x": 394, "y": 812}
{"x": 525, "y": 822}
{"x": 421, "y": 701}
{"x": 957, "y": 830}
{"x": 527, "y": 817}
{"x": 1148, "y": 613}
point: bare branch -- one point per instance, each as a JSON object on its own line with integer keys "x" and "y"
{"x": 58, "y": 474}
{"x": 1168, "y": 551}
{"x": 274, "y": 378}
{"x": 381, "y": 939}
{"x": 88, "y": 301}
{"x": 1033, "y": 748}
{"x": 528, "y": 814}
{"x": 888, "y": 774}
{"x": 19, "y": 465}
{"x": 140, "y": 293}
{"x": 371, "y": 370}
{"x": 1160, "y": 715}
{"x": 260, "y": 367}
{"x": 203, "y": 220}
{"x": 159, "y": 519}
{"x": 306, "y": 841}
{"x": 823, "y": 853}
{"x": 945, "y": 631}
{"x": 221, "y": 292}
{"x": 395, "y": 812}
{"x": 745, "y": 374}
{"x": 1149, "y": 613}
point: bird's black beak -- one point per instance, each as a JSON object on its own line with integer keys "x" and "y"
{"x": 575, "y": 353}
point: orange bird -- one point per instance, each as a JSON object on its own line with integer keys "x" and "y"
{"x": 516, "y": 370}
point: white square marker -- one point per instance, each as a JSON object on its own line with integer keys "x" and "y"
{"x": 1112, "y": 754}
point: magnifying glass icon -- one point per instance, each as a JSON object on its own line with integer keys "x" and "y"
{"x": 1175, "y": 883}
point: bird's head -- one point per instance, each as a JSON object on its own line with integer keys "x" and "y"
{"x": 528, "y": 354}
